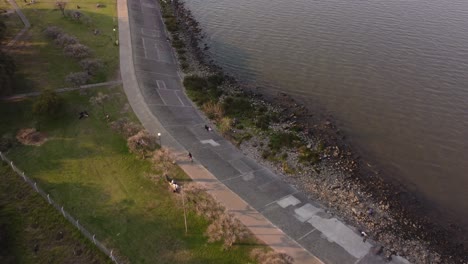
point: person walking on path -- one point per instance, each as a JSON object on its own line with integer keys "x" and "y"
{"x": 190, "y": 157}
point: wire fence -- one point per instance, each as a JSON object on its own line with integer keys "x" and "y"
{"x": 60, "y": 208}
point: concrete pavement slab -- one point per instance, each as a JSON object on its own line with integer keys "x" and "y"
{"x": 328, "y": 252}
{"x": 240, "y": 166}
{"x": 283, "y": 219}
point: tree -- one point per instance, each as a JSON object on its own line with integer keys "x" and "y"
{"x": 48, "y": 104}
{"x": 61, "y": 5}
{"x": 77, "y": 51}
{"x": 91, "y": 66}
{"x": 77, "y": 78}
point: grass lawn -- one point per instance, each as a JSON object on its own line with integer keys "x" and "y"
{"x": 87, "y": 167}
{"x": 44, "y": 64}
{"x": 32, "y": 231}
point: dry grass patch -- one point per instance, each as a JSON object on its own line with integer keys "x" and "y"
{"x": 30, "y": 136}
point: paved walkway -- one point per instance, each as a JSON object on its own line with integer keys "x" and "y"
{"x": 23, "y": 18}
{"x": 274, "y": 211}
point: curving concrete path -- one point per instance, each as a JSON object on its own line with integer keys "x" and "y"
{"x": 274, "y": 211}
{"x": 25, "y": 21}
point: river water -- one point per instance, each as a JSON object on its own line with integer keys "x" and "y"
{"x": 393, "y": 73}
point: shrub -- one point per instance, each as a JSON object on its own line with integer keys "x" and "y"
{"x": 241, "y": 137}
{"x": 270, "y": 257}
{"x": 262, "y": 121}
{"x": 308, "y": 156}
{"x": 163, "y": 158}
{"x": 279, "y": 140}
{"x": 215, "y": 80}
{"x": 287, "y": 168}
{"x": 177, "y": 43}
{"x": 225, "y": 125}
{"x": 49, "y": 103}
{"x": 226, "y": 228}
{"x": 77, "y": 51}
{"x": 202, "y": 203}
{"x": 238, "y": 107}
{"x": 181, "y": 52}
{"x": 91, "y": 66}
{"x": 77, "y": 78}
{"x": 184, "y": 66}
{"x": 213, "y": 110}
{"x": 142, "y": 143}
{"x": 201, "y": 90}
{"x": 195, "y": 83}
{"x": 125, "y": 127}
{"x": 63, "y": 40}
{"x": 171, "y": 23}
{"x": 53, "y": 32}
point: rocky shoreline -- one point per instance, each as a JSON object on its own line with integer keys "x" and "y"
{"x": 344, "y": 183}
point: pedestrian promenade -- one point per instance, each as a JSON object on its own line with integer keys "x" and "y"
{"x": 275, "y": 212}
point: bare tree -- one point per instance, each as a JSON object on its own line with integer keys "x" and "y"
{"x": 226, "y": 228}
{"x": 61, "y": 5}
{"x": 142, "y": 143}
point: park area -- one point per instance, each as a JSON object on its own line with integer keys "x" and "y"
{"x": 44, "y": 61}
{"x": 86, "y": 166}
{"x": 73, "y": 146}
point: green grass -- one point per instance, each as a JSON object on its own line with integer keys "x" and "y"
{"x": 87, "y": 167}
{"x": 27, "y": 220}
{"x": 45, "y": 64}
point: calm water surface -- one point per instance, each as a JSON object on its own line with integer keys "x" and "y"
{"x": 394, "y": 73}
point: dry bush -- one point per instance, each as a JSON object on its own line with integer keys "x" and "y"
{"x": 125, "y": 127}
{"x": 270, "y": 257}
{"x": 77, "y": 78}
{"x": 202, "y": 203}
{"x": 213, "y": 110}
{"x": 225, "y": 125}
{"x": 163, "y": 159}
{"x": 63, "y": 40}
{"x": 77, "y": 51}
{"x": 142, "y": 143}
{"x": 226, "y": 228}
{"x": 92, "y": 66}
{"x": 30, "y": 136}
{"x": 53, "y": 32}
{"x": 163, "y": 155}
